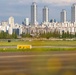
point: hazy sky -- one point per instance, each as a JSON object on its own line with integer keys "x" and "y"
{"x": 20, "y": 9}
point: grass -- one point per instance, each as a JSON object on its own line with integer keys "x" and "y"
{"x": 36, "y": 49}
{"x": 39, "y": 43}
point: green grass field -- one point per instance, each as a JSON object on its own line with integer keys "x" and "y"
{"x": 39, "y": 43}
{"x": 36, "y": 49}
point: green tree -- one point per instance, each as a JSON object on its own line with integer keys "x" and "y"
{"x": 14, "y": 35}
{"x": 75, "y": 34}
{"x": 26, "y": 35}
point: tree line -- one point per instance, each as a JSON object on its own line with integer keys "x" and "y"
{"x": 55, "y": 34}
{"x": 5, "y": 35}
{"x": 48, "y": 35}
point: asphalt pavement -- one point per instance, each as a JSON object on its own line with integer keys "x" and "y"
{"x": 41, "y": 46}
{"x": 38, "y": 63}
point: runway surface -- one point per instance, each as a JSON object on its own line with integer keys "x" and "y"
{"x": 38, "y": 63}
{"x": 41, "y": 46}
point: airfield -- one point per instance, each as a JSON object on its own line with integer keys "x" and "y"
{"x": 45, "y": 58}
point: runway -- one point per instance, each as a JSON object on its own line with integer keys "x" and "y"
{"x": 38, "y": 63}
{"x": 41, "y": 47}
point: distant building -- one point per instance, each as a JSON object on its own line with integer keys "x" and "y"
{"x": 52, "y": 20}
{"x": 10, "y": 30}
{"x": 45, "y": 27}
{"x": 20, "y": 31}
{"x": 11, "y": 21}
{"x": 45, "y": 14}
{"x": 16, "y": 31}
{"x": 63, "y": 16}
{"x": 33, "y": 14}
{"x": 73, "y": 13}
{"x": 26, "y": 21}
{"x": 4, "y": 23}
